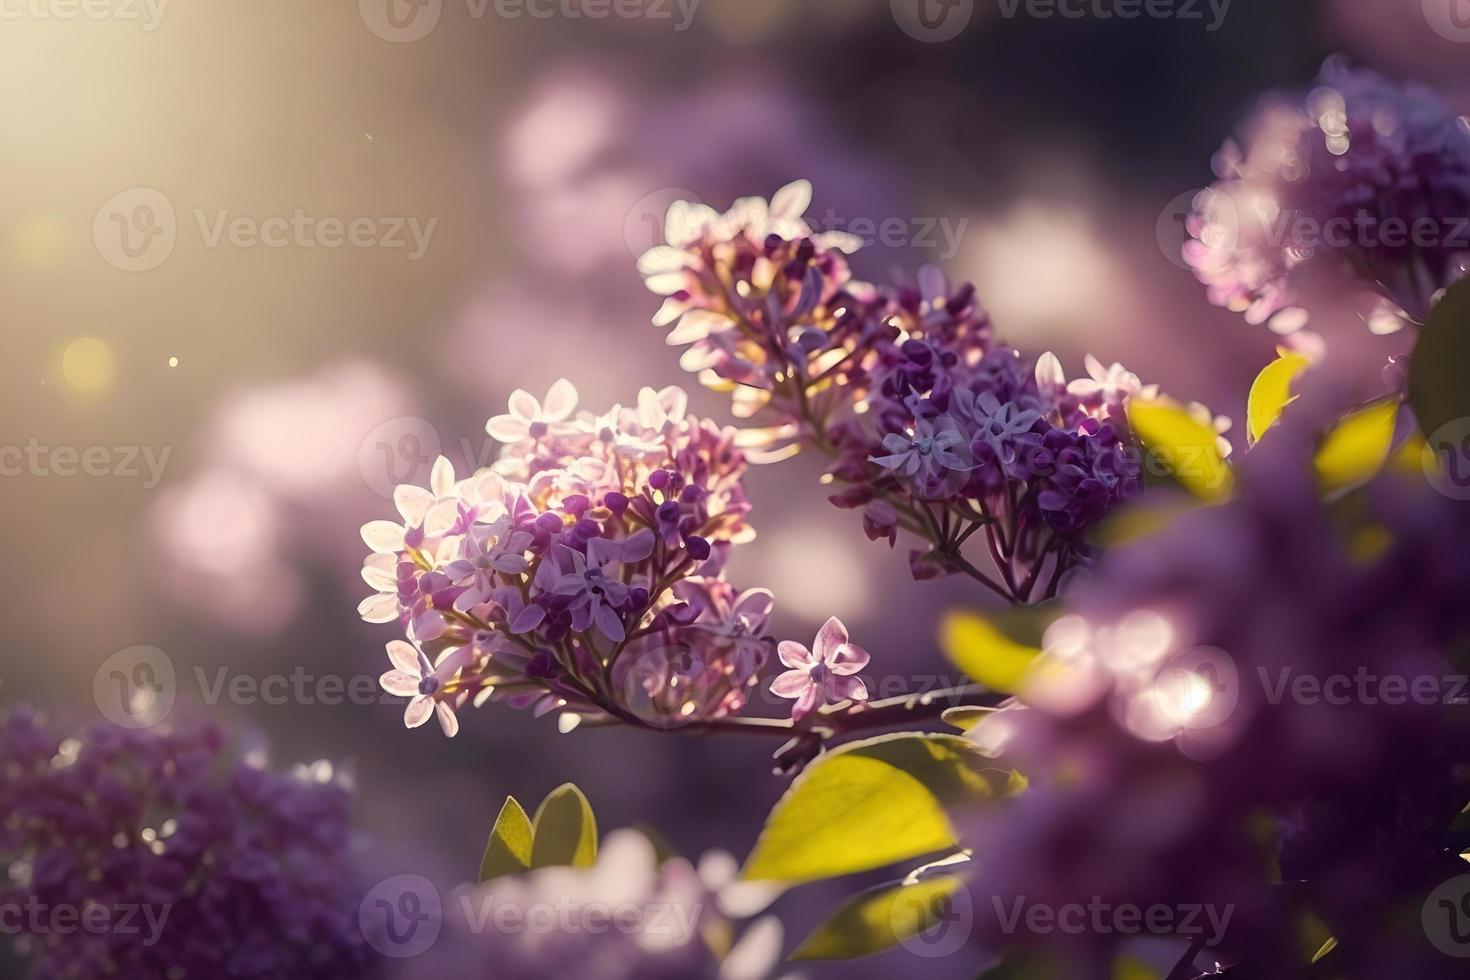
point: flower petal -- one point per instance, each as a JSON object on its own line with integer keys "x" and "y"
{"x": 831, "y": 636}
{"x": 397, "y": 683}
{"x": 847, "y": 688}
{"x": 795, "y": 655}
{"x": 561, "y": 401}
{"x": 448, "y": 721}
{"x": 405, "y": 657}
{"x": 849, "y": 658}
{"x": 384, "y": 537}
{"x": 791, "y": 684}
{"x": 418, "y": 712}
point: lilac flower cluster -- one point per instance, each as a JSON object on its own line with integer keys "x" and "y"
{"x": 185, "y": 862}
{"x": 1373, "y": 175}
{"x": 582, "y": 571}
{"x": 1173, "y": 759}
{"x": 932, "y": 427}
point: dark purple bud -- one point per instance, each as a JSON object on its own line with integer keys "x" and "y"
{"x": 615, "y": 502}
{"x": 542, "y": 666}
{"x": 576, "y": 504}
{"x": 698, "y": 548}
{"x": 638, "y": 597}
{"x": 659, "y": 479}
{"x": 549, "y": 522}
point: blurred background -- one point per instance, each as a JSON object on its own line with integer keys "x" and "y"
{"x": 259, "y": 261}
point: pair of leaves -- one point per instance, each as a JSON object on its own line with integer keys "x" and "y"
{"x": 563, "y": 832}
{"x": 1352, "y": 453}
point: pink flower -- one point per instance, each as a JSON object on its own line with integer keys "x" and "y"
{"x": 823, "y": 677}
{"x": 532, "y": 419}
{"x": 414, "y": 678}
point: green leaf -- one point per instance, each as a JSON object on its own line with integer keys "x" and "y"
{"x": 880, "y": 918}
{"x": 869, "y": 804}
{"x": 1441, "y": 362}
{"x": 985, "y": 653}
{"x": 1357, "y": 448}
{"x": 1271, "y": 393}
{"x": 965, "y": 717}
{"x": 1187, "y": 447}
{"x": 509, "y": 849}
{"x": 565, "y": 830}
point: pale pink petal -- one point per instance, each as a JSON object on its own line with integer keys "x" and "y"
{"x": 405, "y": 657}
{"x": 804, "y": 706}
{"x": 441, "y": 478}
{"x": 847, "y": 688}
{"x": 524, "y": 406}
{"x": 379, "y": 609}
{"x": 447, "y": 719}
{"x": 397, "y": 683}
{"x": 378, "y": 572}
{"x": 831, "y": 636}
{"x": 506, "y": 428}
{"x": 384, "y": 537}
{"x": 849, "y": 659}
{"x": 792, "y": 201}
{"x": 755, "y": 605}
{"x": 561, "y": 401}
{"x": 418, "y": 712}
{"x": 795, "y": 655}
{"x": 428, "y": 627}
{"x": 412, "y": 502}
{"x": 791, "y": 684}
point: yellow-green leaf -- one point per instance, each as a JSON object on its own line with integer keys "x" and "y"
{"x": 1271, "y": 393}
{"x": 868, "y": 804}
{"x": 1187, "y": 447}
{"x": 985, "y": 653}
{"x": 509, "y": 849}
{"x": 1357, "y": 448}
{"x": 965, "y": 717}
{"x": 565, "y": 830}
{"x": 879, "y": 919}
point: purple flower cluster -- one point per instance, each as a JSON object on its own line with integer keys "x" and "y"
{"x": 1253, "y": 711}
{"x": 1372, "y": 174}
{"x": 154, "y": 854}
{"x": 932, "y": 426}
{"x": 582, "y": 571}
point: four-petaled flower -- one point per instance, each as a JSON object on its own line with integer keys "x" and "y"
{"x": 532, "y": 419}
{"x": 823, "y": 675}
{"x": 596, "y": 595}
{"x": 487, "y": 549}
{"x": 413, "y": 677}
{"x": 927, "y": 453}
{"x": 1003, "y": 427}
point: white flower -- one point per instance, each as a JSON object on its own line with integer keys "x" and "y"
{"x": 413, "y": 677}
{"x": 532, "y": 419}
